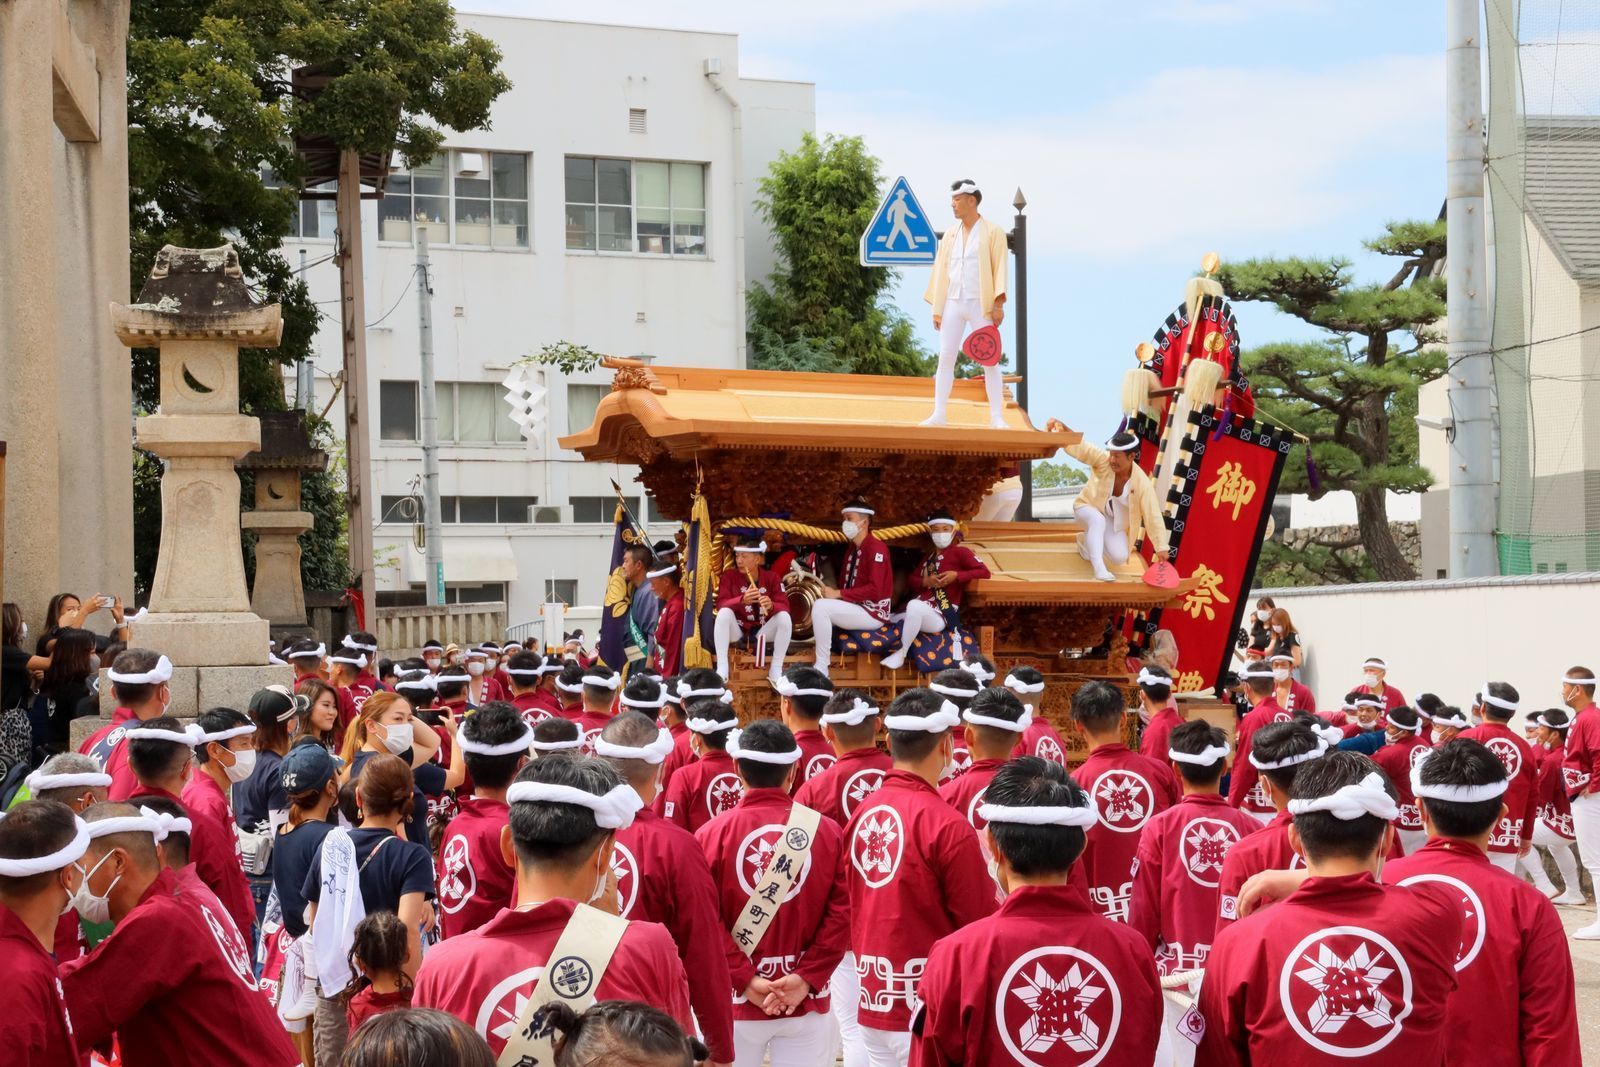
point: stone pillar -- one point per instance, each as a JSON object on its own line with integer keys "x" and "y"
{"x": 285, "y": 453}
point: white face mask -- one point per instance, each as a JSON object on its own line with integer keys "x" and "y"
{"x": 1277, "y": 629}
{"x": 943, "y": 540}
{"x": 1144, "y": 712}
{"x": 491, "y": 663}
{"x": 432, "y": 662}
{"x": 244, "y": 763}
{"x": 397, "y": 737}
{"x": 1263, "y": 616}
{"x": 599, "y": 887}
{"x": 91, "y": 908}
{"x": 1281, "y": 673}
{"x": 1436, "y": 735}
{"x": 1371, "y": 678}
{"x": 849, "y": 529}
{"x": 475, "y": 668}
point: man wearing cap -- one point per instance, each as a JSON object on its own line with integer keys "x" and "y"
{"x": 1117, "y": 506}
{"x": 937, "y": 587}
{"x": 1345, "y": 967}
{"x": 967, "y": 291}
{"x": 752, "y": 607}
{"x": 1580, "y": 776}
{"x": 916, "y": 873}
{"x": 40, "y": 843}
{"x": 1552, "y": 832}
{"x": 667, "y": 656}
{"x": 866, "y": 584}
{"x": 710, "y": 785}
{"x": 1403, "y": 750}
{"x": 1244, "y": 789}
{"x": 991, "y": 724}
{"x": 1497, "y": 702}
{"x": 1178, "y": 868}
{"x": 1374, "y": 681}
{"x": 139, "y": 683}
{"x": 475, "y": 877}
{"x": 780, "y": 876}
{"x": 990, "y": 991}
{"x": 169, "y": 983}
{"x": 1040, "y": 738}
{"x": 565, "y": 814}
{"x": 662, "y": 877}
{"x": 1290, "y": 694}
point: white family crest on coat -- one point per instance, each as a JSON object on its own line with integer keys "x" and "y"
{"x": 723, "y": 793}
{"x": 755, "y": 855}
{"x": 1124, "y": 799}
{"x": 457, "y": 880}
{"x": 1047, "y": 748}
{"x": 1202, "y": 846}
{"x": 1474, "y": 921}
{"x": 878, "y": 845}
{"x": 817, "y": 764}
{"x": 1506, "y": 752}
{"x": 232, "y": 945}
{"x": 1058, "y": 1005}
{"x": 859, "y": 787}
{"x": 1346, "y": 991}
{"x": 626, "y": 870}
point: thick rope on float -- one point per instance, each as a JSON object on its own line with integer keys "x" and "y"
{"x": 823, "y": 534}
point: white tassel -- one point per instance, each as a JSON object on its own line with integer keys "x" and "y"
{"x": 1200, "y": 381}
{"x": 1136, "y": 387}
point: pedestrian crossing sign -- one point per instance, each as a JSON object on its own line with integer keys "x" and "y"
{"x": 899, "y": 234}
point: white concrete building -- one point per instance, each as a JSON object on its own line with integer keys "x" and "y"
{"x": 610, "y": 205}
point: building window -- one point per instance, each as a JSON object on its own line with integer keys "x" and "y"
{"x": 314, "y": 220}
{"x": 652, "y": 512}
{"x": 487, "y": 593}
{"x": 582, "y": 401}
{"x": 562, "y": 589}
{"x": 397, "y": 411}
{"x": 506, "y": 510}
{"x": 469, "y": 413}
{"x": 471, "y": 199}
{"x": 621, "y": 205}
{"x": 594, "y": 508}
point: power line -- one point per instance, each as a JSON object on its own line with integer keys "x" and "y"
{"x": 397, "y": 303}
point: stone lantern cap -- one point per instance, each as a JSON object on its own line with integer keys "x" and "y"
{"x": 197, "y": 294}
{"x": 285, "y": 445}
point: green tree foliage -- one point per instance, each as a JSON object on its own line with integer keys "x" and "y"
{"x": 1354, "y": 392}
{"x": 211, "y": 103}
{"x": 1048, "y": 475}
{"x": 821, "y": 310}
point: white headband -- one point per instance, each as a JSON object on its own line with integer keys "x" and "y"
{"x": 161, "y": 672}
{"x": 427, "y": 681}
{"x": 1458, "y": 720}
{"x": 1017, "y": 685}
{"x": 965, "y": 188}
{"x": 711, "y": 726}
{"x": 1291, "y": 761}
{"x": 509, "y": 748}
{"x": 978, "y": 671}
{"x": 555, "y": 746}
{"x": 686, "y": 693}
{"x": 1146, "y": 678}
{"x": 1568, "y": 679}
{"x": 1129, "y": 447}
{"x": 1376, "y": 664}
{"x": 603, "y": 683}
{"x": 654, "y": 753}
{"x": 948, "y": 717}
{"x": 787, "y": 688}
{"x": 476, "y": 653}
{"x": 1505, "y": 705}
{"x": 1331, "y": 735}
{"x": 662, "y": 573}
{"x": 652, "y": 705}
{"x": 859, "y": 712}
{"x": 307, "y": 653}
{"x": 1082, "y": 818}
{"x": 565, "y": 688}
{"x": 1459, "y": 794}
{"x": 1417, "y": 729}
{"x": 613, "y": 811}
{"x": 39, "y": 781}
{"x": 227, "y": 735}
{"x": 1367, "y": 701}
{"x": 1204, "y": 758}
{"x": 1547, "y": 724}
{"x": 158, "y": 824}
{"x": 1017, "y": 727}
{"x": 779, "y": 759}
{"x": 1366, "y": 797}
{"x": 857, "y": 509}
{"x": 191, "y": 735}
{"x": 942, "y": 521}
{"x": 350, "y": 642}
{"x": 752, "y": 550}
{"x": 71, "y": 852}
{"x": 952, "y": 691}
{"x": 1256, "y": 670}
{"x": 357, "y": 662}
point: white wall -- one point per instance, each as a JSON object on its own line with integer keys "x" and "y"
{"x": 1446, "y": 637}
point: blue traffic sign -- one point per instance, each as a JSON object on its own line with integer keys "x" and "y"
{"x": 900, "y": 234}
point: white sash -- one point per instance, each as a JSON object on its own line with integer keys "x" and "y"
{"x": 788, "y": 861}
{"x": 571, "y": 974}
{"x": 333, "y": 930}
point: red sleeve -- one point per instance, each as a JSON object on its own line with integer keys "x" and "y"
{"x": 1244, "y": 772}
{"x": 1577, "y": 763}
{"x": 675, "y": 808}
{"x": 914, "y": 578}
{"x": 970, "y": 567}
{"x": 780, "y": 599}
{"x": 1549, "y": 1010}
{"x": 696, "y": 926}
{"x": 669, "y": 637}
{"x": 347, "y": 707}
{"x": 937, "y": 1036}
{"x": 832, "y": 937}
{"x": 1310, "y": 700}
{"x": 969, "y": 893}
{"x": 1144, "y": 911}
{"x": 1225, "y": 1042}
{"x": 125, "y": 973}
{"x": 219, "y": 869}
{"x": 730, "y": 591}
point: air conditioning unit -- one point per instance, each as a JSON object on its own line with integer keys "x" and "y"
{"x": 551, "y": 513}
{"x": 469, "y": 163}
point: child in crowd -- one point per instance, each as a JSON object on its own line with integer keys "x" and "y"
{"x": 377, "y": 959}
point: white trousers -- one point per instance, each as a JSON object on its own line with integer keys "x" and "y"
{"x": 1506, "y": 861}
{"x": 959, "y": 318}
{"x": 826, "y": 614}
{"x": 776, "y": 630}
{"x": 844, "y": 989}
{"x": 1560, "y": 850}
{"x": 1262, "y": 817}
{"x": 1586, "y": 828}
{"x": 887, "y": 1048}
{"x": 1411, "y": 840}
{"x": 1001, "y": 503}
{"x": 921, "y": 618}
{"x": 1102, "y": 542}
{"x": 792, "y": 1041}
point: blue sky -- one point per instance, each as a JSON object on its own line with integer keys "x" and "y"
{"x": 1143, "y": 133}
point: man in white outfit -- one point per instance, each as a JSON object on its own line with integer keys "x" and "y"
{"x": 1117, "y": 506}
{"x": 967, "y": 290}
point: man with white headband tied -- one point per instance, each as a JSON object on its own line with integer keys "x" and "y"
{"x": 665, "y": 584}
{"x": 78, "y": 782}
{"x": 987, "y": 990}
{"x": 366, "y": 682}
{"x": 967, "y": 291}
{"x": 1345, "y": 968}
{"x": 990, "y": 726}
{"x": 937, "y": 587}
{"x": 1178, "y": 867}
{"x": 1157, "y": 709}
{"x": 40, "y": 842}
{"x": 850, "y": 724}
{"x": 1040, "y": 738}
{"x": 601, "y": 685}
{"x": 1496, "y": 703}
{"x": 866, "y": 583}
{"x": 345, "y": 668}
{"x": 1375, "y": 682}
{"x": 1553, "y": 832}
{"x": 482, "y": 686}
{"x": 710, "y": 785}
{"x": 1403, "y": 749}
{"x": 1290, "y": 694}
{"x": 1281, "y": 751}
{"x": 803, "y": 695}
{"x": 565, "y": 814}
{"x": 532, "y": 681}
{"x": 916, "y": 873}
{"x": 1580, "y": 775}
{"x": 225, "y": 758}
{"x": 752, "y": 607}
{"x": 1127, "y": 788}
{"x": 172, "y": 983}
{"x": 475, "y": 876}
{"x": 662, "y": 877}
{"x": 1245, "y": 791}
{"x": 139, "y": 683}
{"x": 1117, "y": 507}
{"x": 780, "y": 872}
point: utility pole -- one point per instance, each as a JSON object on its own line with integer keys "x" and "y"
{"x": 353, "y": 309}
{"x": 1019, "y": 248}
{"x": 433, "y": 528}
{"x": 1470, "y": 377}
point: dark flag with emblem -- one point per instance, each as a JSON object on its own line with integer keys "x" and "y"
{"x": 614, "y": 616}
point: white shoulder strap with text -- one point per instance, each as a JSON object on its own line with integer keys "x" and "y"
{"x": 788, "y": 861}
{"x": 571, "y": 974}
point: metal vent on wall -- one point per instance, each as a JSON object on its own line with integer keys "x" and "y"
{"x": 636, "y": 120}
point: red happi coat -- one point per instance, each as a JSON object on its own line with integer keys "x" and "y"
{"x": 475, "y": 881}
{"x": 680, "y": 756}
{"x": 1397, "y": 760}
{"x": 663, "y": 877}
{"x": 214, "y": 845}
{"x": 34, "y": 1028}
{"x": 1266, "y": 850}
{"x": 536, "y": 705}
{"x": 1040, "y": 739}
{"x": 1300, "y": 698}
{"x": 701, "y": 791}
{"x": 172, "y": 984}
{"x": 730, "y": 595}
{"x": 1177, "y": 874}
{"x": 958, "y": 558}
{"x": 1515, "y": 1000}
{"x": 571, "y": 712}
{"x": 841, "y": 789}
{"x": 668, "y": 655}
{"x": 1246, "y": 790}
{"x": 1127, "y": 789}
{"x": 866, "y": 578}
{"x": 484, "y": 977}
{"x": 1555, "y": 810}
{"x": 348, "y": 711}
{"x": 1344, "y": 969}
{"x": 108, "y": 745}
{"x": 1522, "y": 796}
{"x": 816, "y": 756}
{"x": 1580, "y": 763}
{"x": 811, "y": 931}
{"x": 965, "y": 792}
{"x": 916, "y": 874}
{"x": 1392, "y": 698}
{"x": 1157, "y": 739}
{"x": 590, "y": 723}
{"x": 1044, "y": 981}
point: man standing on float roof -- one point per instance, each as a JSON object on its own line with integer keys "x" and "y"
{"x": 967, "y": 291}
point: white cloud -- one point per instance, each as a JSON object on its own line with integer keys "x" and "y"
{"x": 1200, "y": 156}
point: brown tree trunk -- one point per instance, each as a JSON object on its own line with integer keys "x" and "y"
{"x": 1378, "y": 539}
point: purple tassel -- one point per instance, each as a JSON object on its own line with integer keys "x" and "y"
{"x": 1122, "y": 428}
{"x": 1311, "y": 473}
{"x": 1227, "y": 417}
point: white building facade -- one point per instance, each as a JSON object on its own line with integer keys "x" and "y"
{"x": 611, "y": 205}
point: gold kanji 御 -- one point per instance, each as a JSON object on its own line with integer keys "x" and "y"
{"x": 1231, "y": 487}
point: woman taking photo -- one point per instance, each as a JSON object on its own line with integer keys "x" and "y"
{"x": 67, "y": 611}
{"x": 318, "y": 713}
{"x": 387, "y": 726}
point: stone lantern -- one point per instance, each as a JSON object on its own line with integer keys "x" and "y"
{"x": 196, "y": 308}
{"x": 285, "y": 455}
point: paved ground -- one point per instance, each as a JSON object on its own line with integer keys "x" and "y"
{"x": 1586, "y": 968}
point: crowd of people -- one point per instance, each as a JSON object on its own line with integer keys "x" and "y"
{"x": 502, "y": 854}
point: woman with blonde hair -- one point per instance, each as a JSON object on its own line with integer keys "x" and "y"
{"x": 386, "y": 726}
{"x": 1285, "y": 638}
